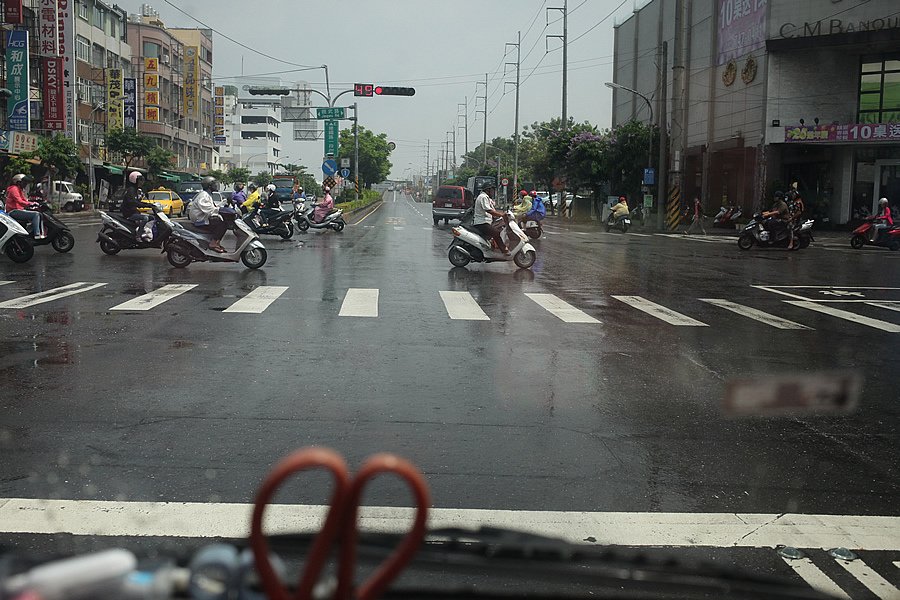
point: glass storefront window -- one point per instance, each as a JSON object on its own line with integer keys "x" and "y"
{"x": 879, "y": 90}
{"x": 871, "y": 67}
{"x": 891, "y": 93}
{"x": 869, "y": 102}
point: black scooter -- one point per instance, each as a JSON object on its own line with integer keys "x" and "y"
{"x": 118, "y": 233}
{"x": 57, "y": 233}
{"x": 278, "y": 224}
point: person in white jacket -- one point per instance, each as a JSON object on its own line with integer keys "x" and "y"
{"x": 204, "y": 214}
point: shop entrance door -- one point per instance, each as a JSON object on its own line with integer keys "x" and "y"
{"x": 887, "y": 183}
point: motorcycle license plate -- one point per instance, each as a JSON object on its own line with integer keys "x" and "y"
{"x": 448, "y": 205}
{"x": 628, "y": 221}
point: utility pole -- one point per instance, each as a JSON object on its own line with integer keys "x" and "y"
{"x": 485, "y": 112}
{"x": 427, "y": 157}
{"x": 465, "y": 116}
{"x": 565, "y": 59}
{"x": 662, "y": 121}
{"x": 678, "y": 99}
{"x": 356, "y": 146}
{"x": 518, "y": 64}
{"x": 453, "y": 162}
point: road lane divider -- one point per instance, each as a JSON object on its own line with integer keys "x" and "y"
{"x": 561, "y": 309}
{"x": 257, "y": 300}
{"x": 50, "y": 295}
{"x": 360, "y": 302}
{"x": 846, "y": 315}
{"x": 5, "y": 282}
{"x": 156, "y": 297}
{"x": 895, "y": 306}
{"x": 660, "y": 312}
{"x": 462, "y": 306}
{"x": 755, "y": 314}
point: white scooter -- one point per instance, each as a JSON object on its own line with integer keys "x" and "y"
{"x": 191, "y": 244}
{"x": 14, "y": 240}
{"x": 468, "y": 245}
{"x": 303, "y": 216}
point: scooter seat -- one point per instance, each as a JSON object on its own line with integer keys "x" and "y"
{"x": 194, "y": 229}
{"x": 123, "y": 220}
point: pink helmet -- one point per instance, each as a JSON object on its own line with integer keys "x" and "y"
{"x": 133, "y": 176}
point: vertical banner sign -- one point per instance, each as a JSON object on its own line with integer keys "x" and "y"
{"x": 742, "y": 28}
{"x": 54, "y": 94}
{"x": 12, "y": 12}
{"x": 151, "y": 89}
{"x": 66, "y": 29}
{"x": 48, "y": 29}
{"x": 17, "y": 80}
{"x": 192, "y": 81}
{"x": 114, "y": 115}
{"x": 129, "y": 102}
{"x": 219, "y": 111}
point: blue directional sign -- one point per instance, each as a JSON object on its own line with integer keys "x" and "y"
{"x": 345, "y": 173}
{"x": 330, "y": 167}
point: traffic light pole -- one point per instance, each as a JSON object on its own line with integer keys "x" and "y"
{"x": 356, "y": 146}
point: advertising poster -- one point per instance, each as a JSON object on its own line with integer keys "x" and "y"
{"x": 742, "y": 28}
{"x": 17, "y": 78}
{"x": 115, "y": 118}
{"x": 54, "y": 94}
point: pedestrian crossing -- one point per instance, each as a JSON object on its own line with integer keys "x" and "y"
{"x": 841, "y": 578}
{"x": 365, "y": 303}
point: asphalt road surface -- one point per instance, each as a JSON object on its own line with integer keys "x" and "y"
{"x": 591, "y": 384}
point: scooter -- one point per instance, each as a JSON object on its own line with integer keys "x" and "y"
{"x": 727, "y": 217}
{"x": 887, "y": 238}
{"x": 118, "y": 233}
{"x": 622, "y": 223}
{"x": 279, "y": 224}
{"x": 303, "y": 215}
{"x": 191, "y": 244}
{"x": 755, "y": 233}
{"x": 468, "y": 245}
{"x": 56, "y": 232}
{"x": 533, "y": 228}
{"x": 14, "y": 240}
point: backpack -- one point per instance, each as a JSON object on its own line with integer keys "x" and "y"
{"x": 538, "y": 210}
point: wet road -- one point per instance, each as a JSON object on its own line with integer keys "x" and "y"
{"x": 513, "y": 406}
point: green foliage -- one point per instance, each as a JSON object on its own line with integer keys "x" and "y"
{"x": 374, "y": 163}
{"x": 128, "y": 144}
{"x": 241, "y": 174}
{"x": 263, "y": 178}
{"x": 366, "y": 197}
{"x": 220, "y": 175}
{"x": 58, "y": 155}
{"x": 158, "y": 160}
{"x": 626, "y": 156}
{"x": 16, "y": 164}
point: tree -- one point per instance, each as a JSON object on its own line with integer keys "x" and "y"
{"x": 158, "y": 160}
{"x": 15, "y": 165}
{"x": 239, "y": 174}
{"x": 626, "y": 157}
{"x": 220, "y": 175}
{"x": 374, "y": 153}
{"x": 129, "y": 144}
{"x": 263, "y": 178}
{"x": 58, "y": 154}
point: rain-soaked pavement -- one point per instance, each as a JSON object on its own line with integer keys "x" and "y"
{"x": 519, "y": 410}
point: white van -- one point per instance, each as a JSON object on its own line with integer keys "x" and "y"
{"x": 64, "y": 193}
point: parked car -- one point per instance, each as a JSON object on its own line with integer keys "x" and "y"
{"x": 64, "y": 193}
{"x": 171, "y": 203}
{"x": 218, "y": 198}
{"x": 451, "y": 202}
{"x": 187, "y": 190}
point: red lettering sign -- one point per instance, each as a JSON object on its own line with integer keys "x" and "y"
{"x": 12, "y": 12}
{"x": 54, "y": 96}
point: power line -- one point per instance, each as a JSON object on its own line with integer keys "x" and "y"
{"x": 603, "y": 20}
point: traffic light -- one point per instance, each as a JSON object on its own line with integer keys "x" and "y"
{"x": 264, "y": 91}
{"x": 363, "y": 89}
{"x": 394, "y": 91}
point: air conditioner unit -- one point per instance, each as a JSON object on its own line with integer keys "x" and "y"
{"x": 165, "y": 60}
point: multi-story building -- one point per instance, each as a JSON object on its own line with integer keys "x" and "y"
{"x": 183, "y": 127}
{"x": 252, "y": 127}
{"x": 775, "y": 91}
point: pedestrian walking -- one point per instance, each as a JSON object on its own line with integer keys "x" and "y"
{"x": 698, "y": 218}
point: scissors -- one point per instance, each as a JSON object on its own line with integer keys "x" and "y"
{"x": 340, "y": 524}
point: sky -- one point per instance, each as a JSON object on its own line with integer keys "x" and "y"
{"x": 440, "y": 47}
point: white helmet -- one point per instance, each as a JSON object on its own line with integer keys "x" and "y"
{"x": 883, "y": 201}
{"x": 270, "y": 188}
{"x": 18, "y": 177}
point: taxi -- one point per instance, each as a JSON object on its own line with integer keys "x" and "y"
{"x": 171, "y": 203}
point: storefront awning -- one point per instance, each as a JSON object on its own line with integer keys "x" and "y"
{"x": 169, "y": 177}
{"x": 114, "y": 170}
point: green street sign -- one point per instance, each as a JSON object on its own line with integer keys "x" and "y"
{"x": 331, "y": 138}
{"x": 331, "y": 112}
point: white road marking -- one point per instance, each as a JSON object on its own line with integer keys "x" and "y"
{"x": 660, "y": 312}
{"x": 641, "y": 234}
{"x": 877, "y": 584}
{"x": 427, "y": 228}
{"x": 156, "y": 297}
{"x": 756, "y": 315}
{"x": 360, "y": 302}
{"x": 888, "y": 305}
{"x": 462, "y": 306}
{"x": 50, "y": 295}
{"x": 203, "y": 520}
{"x": 814, "y": 576}
{"x": 257, "y": 300}
{"x": 5, "y": 282}
{"x": 897, "y": 563}
{"x": 561, "y": 309}
{"x": 846, "y": 315}
{"x": 398, "y": 228}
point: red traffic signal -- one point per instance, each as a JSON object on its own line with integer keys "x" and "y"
{"x": 363, "y": 89}
{"x": 394, "y": 91}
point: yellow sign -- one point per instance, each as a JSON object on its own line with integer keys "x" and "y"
{"x": 151, "y": 98}
{"x": 192, "y": 81}
{"x": 151, "y": 113}
{"x": 220, "y": 111}
{"x": 115, "y": 115}
{"x": 151, "y": 65}
{"x": 220, "y": 101}
{"x": 220, "y": 121}
{"x": 220, "y": 91}
{"x": 151, "y": 80}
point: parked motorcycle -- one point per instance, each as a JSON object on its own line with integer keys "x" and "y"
{"x": 303, "y": 216}
{"x": 14, "y": 240}
{"x": 57, "y": 233}
{"x": 277, "y": 224}
{"x": 622, "y": 223}
{"x": 755, "y": 233}
{"x": 887, "y": 238}
{"x": 191, "y": 244}
{"x": 118, "y": 233}
{"x": 468, "y": 245}
{"x": 727, "y": 217}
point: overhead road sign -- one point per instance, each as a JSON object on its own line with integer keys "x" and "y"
{"x": 331, "y": 112}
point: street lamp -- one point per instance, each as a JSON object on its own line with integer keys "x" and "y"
{"x": 247, "y": 164}
{"x": 616, "y": 86}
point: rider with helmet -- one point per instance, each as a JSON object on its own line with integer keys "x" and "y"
{"x": 239, "y": 195}
{"x": 252, "y": 199}
{"x": 884, "y": 220}
{"x": 778, "y": 219}
{"x": 205, "y": 215}
{"x": 131, "y": 201}
{"x": 522, "y": 207}
{"x": 19, "y": 207}
{"x": 324, "y": 207}
{"x": 273, "y": 204}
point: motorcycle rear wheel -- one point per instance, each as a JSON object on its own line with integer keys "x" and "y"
{"x": 457, "y": 257}
{"x": 289, "y": 232}
{"x": 745, "y": 242}
{"x": 338, "y": 225}
{"x": 177, "y": 259}
{"x": 63, "y": 242}
{"x": 254, "y": 258}
{"x": 857, "y": 242}
{"x": 302, "y": 224}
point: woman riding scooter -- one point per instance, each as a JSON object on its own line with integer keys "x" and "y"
{"x": 20, "y": 208}
{"x": 324, "y": 207}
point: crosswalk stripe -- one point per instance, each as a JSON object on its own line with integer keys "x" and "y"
{"x": 562, "y": 309}
{"x": 156, "y": 297}
{"x": 50, "y": 295}
{"x": 752, "y": 313}
{"x": 360, "y": 302}
{"x": 660, "y": 312}
{"x": 877, "y": 584}
{"x": 846, "y": 315}
{"x": 462, "y": 306}
{"x": 888, "y": 305}
{"x": 257, "y": 300}
{"x": 814, "y": 576}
